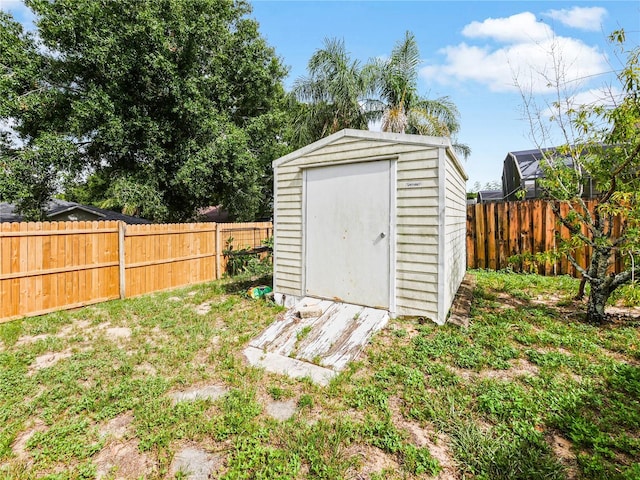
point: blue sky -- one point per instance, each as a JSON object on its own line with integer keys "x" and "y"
{"x": 471, "y": 52}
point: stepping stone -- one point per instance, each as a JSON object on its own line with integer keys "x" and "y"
{"x": 273, "y": 362}
{"x": 194, "y": 464}
{"x": 281, "y": 410}
{"x": 211, "y": 392}
{"x": 203, "y": 308}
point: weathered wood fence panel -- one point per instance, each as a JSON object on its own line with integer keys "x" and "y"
{"x": 52, "y": 266}
{"x": 497, "y": 232}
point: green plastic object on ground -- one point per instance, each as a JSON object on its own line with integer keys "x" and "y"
{"x": 259, "y": 291}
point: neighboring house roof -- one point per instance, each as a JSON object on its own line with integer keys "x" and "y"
{"x": 490, "y": 196}
{"x": 62, "y": 208}
{"x": 213, "y": 214}
{"x": 528, "y": 161}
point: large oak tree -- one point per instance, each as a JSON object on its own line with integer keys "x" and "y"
{"x": 167, "y": 105}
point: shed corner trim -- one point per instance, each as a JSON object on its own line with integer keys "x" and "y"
{"x": 441, "y": 308}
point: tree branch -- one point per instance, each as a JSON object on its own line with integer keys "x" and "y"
{"x": 578, "y": 267}
{"x": 618, "y": 171}
{"x": 572, "y": 228}
{"x": 625, "y": 277}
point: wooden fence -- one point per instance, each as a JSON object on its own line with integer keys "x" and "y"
{"x": 52, "y": 266}
{"x": 497, "y": 232}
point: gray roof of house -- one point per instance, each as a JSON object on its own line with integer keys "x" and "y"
{"x": 490, "y": 195}
{"x": 56, "y": 207}
{"x": 529, "y": 162}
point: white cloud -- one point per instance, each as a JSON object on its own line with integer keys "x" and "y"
{"x": 527, "y": 56}
{"x": 522, "y": 27}
{"x": 530, "y": 64}
{"x": 583, "y": 18}
{"x": 597, "y": 96}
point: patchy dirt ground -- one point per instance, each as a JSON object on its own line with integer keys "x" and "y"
{"x": 563, "y": 449}
{"x": 123, "y": 460}
{"x": 372, "y": 462}
{"x": 165, "y": 391}
{"x": 19, "y": 446}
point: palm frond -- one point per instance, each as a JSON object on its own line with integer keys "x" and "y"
{"x": 462, "y": 149}
{"x": 443, "y": 109}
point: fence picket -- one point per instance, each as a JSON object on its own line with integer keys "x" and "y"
{"x": 471, "y": 239}
{"x": 521, "y": 228}
{"x": 481, "y": 255}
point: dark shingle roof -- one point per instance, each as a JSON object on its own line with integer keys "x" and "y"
{"x": 490, "y": 196}
{"x": 57, "y": 207}
{"x": 529, "y": 161}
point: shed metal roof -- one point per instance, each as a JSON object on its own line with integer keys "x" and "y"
{"x": 381, "y": 136}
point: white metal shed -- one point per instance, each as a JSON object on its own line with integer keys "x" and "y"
{"x": 371, "y": 218}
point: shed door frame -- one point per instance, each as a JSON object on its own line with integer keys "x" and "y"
{"x": 393, "y": 162}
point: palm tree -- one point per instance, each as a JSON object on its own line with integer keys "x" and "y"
{"x": 338, "y": 93}
{"x": 397, "y": 103}
{"x": 331, "y": 96}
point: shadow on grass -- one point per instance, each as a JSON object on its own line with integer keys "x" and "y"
{"x": 241, "y": 283}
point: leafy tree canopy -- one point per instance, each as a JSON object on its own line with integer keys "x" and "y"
{"x": 157, "y": 107}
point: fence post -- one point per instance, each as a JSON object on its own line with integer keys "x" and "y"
{"x": 218, "y": 262}
{"x": 121, "y": 258}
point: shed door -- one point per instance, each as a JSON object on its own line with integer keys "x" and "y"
{"x": 347, "y": 232}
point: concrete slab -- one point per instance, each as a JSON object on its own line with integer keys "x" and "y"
{"x": 276, "y": 363}
{"x": 210, "y": 392}
{"x": 281, "y": 410}
{"x": 194, "y": 464}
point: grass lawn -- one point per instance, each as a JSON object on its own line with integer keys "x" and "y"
{"x": 527, "y": 392}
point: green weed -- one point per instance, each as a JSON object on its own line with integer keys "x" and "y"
{"x": 580, "y": 382}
